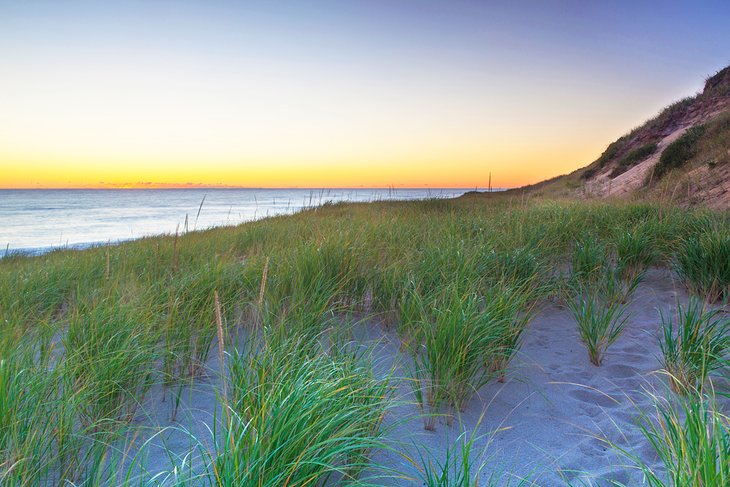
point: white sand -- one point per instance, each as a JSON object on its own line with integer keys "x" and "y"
{"x": 546, "y": 422}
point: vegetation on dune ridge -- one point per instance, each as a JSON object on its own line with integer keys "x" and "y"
{"x": 679, "y": 152}
{"x": 705, "y": 144}
{"x": 632, "y": 158}
{"x": 717, "y": 87}
{"x": 87, "y": 334}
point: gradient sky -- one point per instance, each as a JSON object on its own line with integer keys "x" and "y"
{"x": 341, "y": 93}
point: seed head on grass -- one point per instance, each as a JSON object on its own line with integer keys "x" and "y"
{"x": 190, "y": 325}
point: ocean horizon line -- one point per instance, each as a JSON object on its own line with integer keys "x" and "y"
{"x": 264, "y": 188}
{"x": 43, "y": 220}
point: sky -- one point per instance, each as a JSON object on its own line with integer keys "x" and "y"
{"x": 338, "y": 93}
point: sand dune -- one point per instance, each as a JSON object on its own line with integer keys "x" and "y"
{"x": 551, "y": 421}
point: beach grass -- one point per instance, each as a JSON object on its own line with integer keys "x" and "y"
{"x": 703, "y": 263}
{"x": 87, "y": 335}
{"x": 691, "y": 436}
{"x": 298, "y": 415}
{"x": 693, "y": 346}
{"x": 600, "y": 323}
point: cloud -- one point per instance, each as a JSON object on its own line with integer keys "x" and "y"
{"x": 159, "y": 185}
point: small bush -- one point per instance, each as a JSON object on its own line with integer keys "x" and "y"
{"x": 679, "y": 152}
{"x": 632, "y": 158}
{"x": 589, "y": 173}
{"x": 611, "y": 151}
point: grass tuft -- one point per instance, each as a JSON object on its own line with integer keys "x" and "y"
{"x": 703, "y": 264}
{"x": 692, "y": 439}
{"x": 695, "y": 348}
{"x": 298, "y": 418}
{"x": 600, "y": 323}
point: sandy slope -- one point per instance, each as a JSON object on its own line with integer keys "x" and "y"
{"x": 548, "y": 421}
{"x": 633, "y": 179}
{"x": 636, "y": 177}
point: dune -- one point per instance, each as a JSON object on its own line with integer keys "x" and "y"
{"x": 556, "y": 420}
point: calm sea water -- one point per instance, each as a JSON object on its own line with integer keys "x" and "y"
{"x": 39, "y": 220}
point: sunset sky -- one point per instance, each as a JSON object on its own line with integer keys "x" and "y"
{"x": 337, "y": 94}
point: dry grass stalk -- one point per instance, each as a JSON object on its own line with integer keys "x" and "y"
{"x": 106, "y": 272}
{"x": 221, "y": 344}
{"x": 174, "y": 251}
{"x": 262, "y": 290}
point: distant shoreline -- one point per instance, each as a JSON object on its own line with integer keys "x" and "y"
{"x": 264, "y": 205}
{"x": 236, "y": 188}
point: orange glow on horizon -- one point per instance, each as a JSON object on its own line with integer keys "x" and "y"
{"x": 457, "y": 163}
{"x": 434, "y": 172}
{"x": 112, "y": 95}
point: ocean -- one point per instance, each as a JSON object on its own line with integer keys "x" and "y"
{"x": 36, "y": 221}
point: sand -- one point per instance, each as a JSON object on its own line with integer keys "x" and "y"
{"x": 548, "y": 422}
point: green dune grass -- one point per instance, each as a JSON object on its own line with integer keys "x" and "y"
{"x": 85, "y": 334}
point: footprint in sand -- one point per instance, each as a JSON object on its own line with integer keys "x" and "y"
{"x": 625, "y": 417}
{"x": 633, "y": 359}
{"x": 619, "y": 435}
{"x": 614, "y": 477}
{"x": 647, "y": 451}
{"x": 634, "y": 348}
{"x": 593, "y": 447}
{"x": 620, "y": 371}
{"x": 591, "y": 410}
{"x": 593, "y": 398}
{"x": 563, "y": 370}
